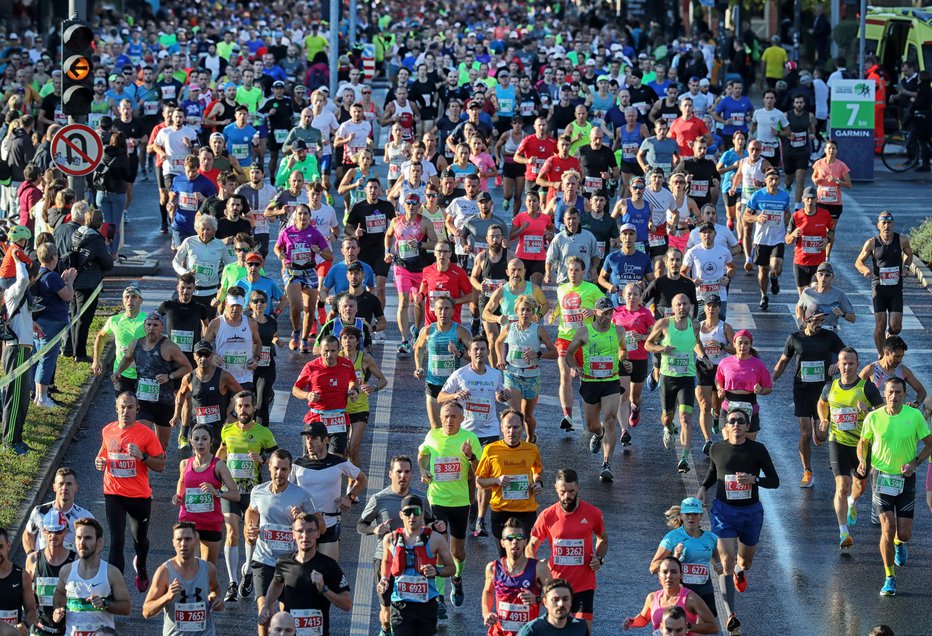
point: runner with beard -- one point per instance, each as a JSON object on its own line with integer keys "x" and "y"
{"x": 43, "y": 566}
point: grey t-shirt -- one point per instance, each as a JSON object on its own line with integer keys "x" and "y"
{"x": 275, "y": 536}
{"x": 386, "y": 504}
{"x": 825, "y": 302}
{"x": 659, "y": 153}
{"x": 563, "y": 245}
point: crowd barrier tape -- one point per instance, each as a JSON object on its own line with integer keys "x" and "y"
{"x": 25, "y": 366}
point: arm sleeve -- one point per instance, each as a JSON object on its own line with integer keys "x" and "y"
{"x": 872, "y": 393}
{"x": 711, "y": 476}
{"x": 770, "y": 478}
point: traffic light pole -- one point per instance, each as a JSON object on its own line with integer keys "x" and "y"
{"x": 77, "y": 10}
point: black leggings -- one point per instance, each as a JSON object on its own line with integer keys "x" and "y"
{"x": 139, "y": 511}
{"x": 265, "y": 392}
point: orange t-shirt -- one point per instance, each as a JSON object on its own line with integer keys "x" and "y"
{"x": 125, "y": 475}
{"x": 571, "y": 546}
{"x": 8, "y": 265}
{"x": 523, "y": 463}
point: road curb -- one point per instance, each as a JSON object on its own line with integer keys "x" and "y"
{"x": 923, "y": 274}
{"x": 57, "y": 451}
{"x": 135, "y": 268}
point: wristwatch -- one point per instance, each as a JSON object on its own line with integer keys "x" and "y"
{"x": 325, "y": 589}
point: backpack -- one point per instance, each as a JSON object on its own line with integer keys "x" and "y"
{"x": 101, "y": 177}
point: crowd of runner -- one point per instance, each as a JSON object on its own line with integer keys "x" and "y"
{"x": 594, "y": 178}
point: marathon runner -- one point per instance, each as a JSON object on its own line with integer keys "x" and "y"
{"x": 125, "y": 327}
{"x": 891, "y": 365}
{"x": 578, "y": 542}
{"x": 205, "y": 256}
{"x": 888, "y": 445}
{"x": 43, "y": 567}
{"x": 488, "y": 275}
{"x": 366, "y": 368}
{"x": 749, "y": 178}
{"x": 185, "y": 320}
{"x": 811, "y": 232}
{"x": 205, "y": 393}
{"x": 444, "y": 278}
{"x": 445, "y": 342}
{"x": 531, "y": 229}
{"x": 558, "y": 600}
{"x": 17, "y": 603}
{"x": 236, "y": 340}
{"x": 768, "y": 210}
{"x": 673, "y": 593}
{"x": 637, "y": 322}
{"x": 798, "y": 145}
{"x": 65, "y": 487}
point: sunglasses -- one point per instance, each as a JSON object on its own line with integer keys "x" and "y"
{"x": 257, "y": 301}
{"x": 253, "y": 264}
{"x": 242, "y": 249}
{"x": 432, "y": 196}
{"x": 412, "y": 512}
{"x": 637, "y": 187}
{"x": 514, "y": 537}
{"x": 736, "y": 421}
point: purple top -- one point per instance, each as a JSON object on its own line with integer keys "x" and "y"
{"x": 296, "y": 244}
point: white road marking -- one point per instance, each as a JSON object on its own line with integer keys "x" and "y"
{"x": 279, "y": 406}
{"x": 739, "y": 316}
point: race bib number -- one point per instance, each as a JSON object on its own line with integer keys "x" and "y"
{"x": 769, "y": 148}
{"x": 737, "y": 119}
{"x": 176, "y": 164}
{"x": 479, "y": 407}
{"x": 147, "y": 390}
{"x": 241, "y": 466}
{"x": 600, "y": 249}
{"x": 631, "y": 341}
{"x": 698, "y": 188}
{"x": 376, "y": 224}
{"x": 191, "y": 617}
{"x": 888, "y": 484}
{"x": 889, "y": 276}
{"x": 536, "y": 165}
{"x": 533, "y": 244}
{"x": 812, "y": 244}
{"x": 592, "y": 184}
{"x": 197, "y": 501}
{"x": 656, "y": 240}
{"x": 279, "y": 538}
{"x": 601, "y": 366}
{"x": 150, "y": 108}
{"x": 513, "y": 616}
{"x": 408, "y": 249}
{"x": 11, "y": 617}
{"x": 122, "y": 465}
{"x": 265, "y": 357}
{"x": 845, "y": 418}
{"x": 234, "y": 362}
{"x": 489, "y": 285}
{"x": 518, "y": 489}
{"x": 240, "y": 151}
{"x": 168, "y": 92}
{"x": 572, "y": 317}
{"x": 629, "y": 152}
{"x": 45, "y": 589}
{"x": 335, "y": 421}
{"x": 505, "y": 105}
{"x": 798, "y": 139}
{"x": 205, "y": 270}
{"x": 773, "y": 217}
{"x": 262, "y": 224}
{"x": 828, "y": 194}
{"x": 569, "y": 552}
{"x": 735, "y": 491}
{"x": 207, "y": 414}
{"x": 442, "y": 365}
{"x": 300, "y": 254}
{"x": 187, "y": 200}
{"x": 184, "y": 339}
{"x": 695, "y": 573}
{"x": 394, "y": 170}
{"x": 714, "y": 351}
{"x": 280, "y": 136}
{"x": 308, "y": 622}
{"x": 411, "y": 587}
{"x": 679, "y": 362}
{"x": 812, "y": 371}
{"x": 527, "y": 109}
{"x": 710, "y": 287}
{"x": 447, "y": 469}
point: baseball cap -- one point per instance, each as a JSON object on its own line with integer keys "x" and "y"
{"x": 204, "y": 345}
{"x": 691, "y": 506}
{"x": 54, "y": 521}
{"x": 474, "y": 104}
{"x": 448, "y": 174}
{"x": 812, "y": 313}
{"x": 235, "y": 300}
{"x": 809, "y": 192}
{"x": 712, "y": 299}
{"x": 254, "y": 257}
{"x": 298, "y": 144}
{"x": 826, "y": 267}
{"x": 705, "y": 227}
{"x": 705, "y": 82}
{"x": 216, "y": 135}
{"x": 412, "y": 501}
{"x": 604, "y": 303}
{"x": 278, "y": 84}
{"x": 228, "y": 85}
{"x": 355, "y": 266}
{"x": 590, "y": 62}
{"x": 132, "y": 289}
{"x": 485, "y": 196}
{"x": 628, "y": 227}
{"x": 315, "y": 429}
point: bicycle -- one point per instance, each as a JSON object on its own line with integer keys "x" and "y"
{"x": 901, "y": 151}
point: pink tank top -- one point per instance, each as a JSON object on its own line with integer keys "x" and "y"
{"x": 657, "y": 610}
{"x": 201, "y": 508}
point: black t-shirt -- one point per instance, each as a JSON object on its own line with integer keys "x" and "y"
{"x": 300, "y": 593}
{"x": 426, "y": 97}
{"x": 561, "y": 116}
{"x": 183, "y": 323}
{"x": 227, "y": 228}
{"x": 752, "y": 458}
{"x": 661, "y": 292}
{"x": 49, "y": 103}
{"x": 374, "y": 218}
{"x": 593, "y": 163}
{"x": 814, "y": 355}
{"x": 368, "y": 307}
{"x": 132, "y": 130}
{"x": 703, "y": 173}
{"x": 284, "y": 110}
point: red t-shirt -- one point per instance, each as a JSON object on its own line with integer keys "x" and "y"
{"x": 685, "y": 132}
{"x": 213, "y": 175}
{"x": 155, "y": 133}
{"x": 811, "y": 242}
{"x": 125, "y": 475}
{"x": 453, "y": 283}
{"x": 571, "y": 542}
{"x": 532, "y": 242}
{"x": 555, "y": 167}
{"x": 538, "y": 151}
{"x": 332, "y": 383}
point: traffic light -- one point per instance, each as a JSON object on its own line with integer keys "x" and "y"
{"x": 77, "y": 68}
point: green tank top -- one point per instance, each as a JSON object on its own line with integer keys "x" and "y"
{"x": 843, "y": 407}
{"x": 507, "y": 305}
{"x": 600, "y": 355}
{"x": 581, "y": 135}
{"x": 682, "y": 362}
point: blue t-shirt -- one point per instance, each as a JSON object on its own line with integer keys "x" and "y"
{"x": 239, "y": 140}
{"x": 736, "y": 113}
{"x": 729, "y": 157}
{"x": 187, "y": 201}
{"x": 336, "y": 282}
{"x": 193, "y": 112}
{"x": 697, "y": 556}
{"x": 56, "y": 309}
{"x": 639, "y": 218}
{"x": 265, "y": 284}
{"x": 624, "y": 268}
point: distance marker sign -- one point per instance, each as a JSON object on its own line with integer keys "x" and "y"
{"x": 77, "y": 150}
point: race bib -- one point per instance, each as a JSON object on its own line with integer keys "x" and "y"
{"x": 512, "y": 616}
{"x": 812, "y": 371}
{"x": 479, "y": 407}
{"x": 184, "y": 339}
{"x": 408, "y": 249}
{"x": 335, "y": 421}
{"x": 737, "y": 119}
{"x": 394, "y": 170}
{"x": 812, "y": 244}
{"x": 533, "y": 244}
{"x": 568, "y": 552}
{"x": 695, "y": 573}
{"x": 573, "y": 317}
{"x": 234, "y": 362}
{"x": 240, "y": 151}
{"x": 505, "y": 105}
{"x": 769, "y": 148}
{"x": 447, "y": 469}
{"x": 678, "y": 362}
{"x": 773, "y": 217}
{"x": 187, "y": 200}
{"x": 518, "y": 489}
{"x": 600, "y": 249}
{"x": 710, "y": 287}
{"x": 527, "y": 109}
{"x": 280, "y": 136}
{"x": 176, "y": 164}
{"x": 279, "y": 538}
{"x": 888, "y": 484}
{"x": 656, "y": 240}
{"x": 205, "y": 270}
{"x": 442, "y": 365}
{"x": 299, "y": 254}
{"x": 828, "y": 194}
{"x": 241, "y": 466}
{"x": 207, "y": 414}
{"x": 122, "y": 465}
{"x": 150, "y": 108}
{"x": 11, "y": 617}
{"x": 262, "y": 224}
{"x": 411, "y": 587}
{"x": 45, "y": 589}
{"x": 489, "y": 285}
{"x": 629, "y": 152}
{"x": 376, "y": 223}
{"x": 714, "y": 351}
{"x": 197, "y": 501}
{"x": 147, "y": 390}
{"x": 265, "y": 357}
{"x": 308, "y": 622}
{"x": 735, "y": 491}
{"x": 798, "y": 139}
{"x": 845, "y": 418}
{"x": 536, "y": 165}
{"x": 889, "y": 276}
{"x": 592, "y": 184}
{"x": 601, "y": 366}
{"x": 191, "y": 617}
{"x": 631, "y": 341}
{"x": 698, "y": 188}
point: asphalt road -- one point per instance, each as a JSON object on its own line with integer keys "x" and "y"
{"x": 800, "y": 583}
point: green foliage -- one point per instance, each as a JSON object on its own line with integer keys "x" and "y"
{"x": 921, "y": 241}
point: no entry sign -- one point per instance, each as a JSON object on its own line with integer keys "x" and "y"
{"x": 77, "y": 150}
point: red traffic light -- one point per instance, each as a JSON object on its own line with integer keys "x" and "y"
{"x": 77, "y": 36}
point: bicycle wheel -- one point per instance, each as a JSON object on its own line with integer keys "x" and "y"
{"x": 900, "y": 152}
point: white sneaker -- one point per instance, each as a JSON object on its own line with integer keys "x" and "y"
{"x": 378, "y": 336}
{"x": 46, "y": 402}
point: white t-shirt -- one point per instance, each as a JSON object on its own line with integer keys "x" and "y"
{"x": 707, "y": 267}
{"x": 323, "y": 480}
{"x": 659, "y": 203}
{"x": 172, "y": 142}
{"x": 461, "y": 209}
{"x": 723, "y": 236}
{"x": 327, "y": 124}
{"x": 481, "y": 416}
{"x": 359, "y": 133}
{"x": 769, "y": 123}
